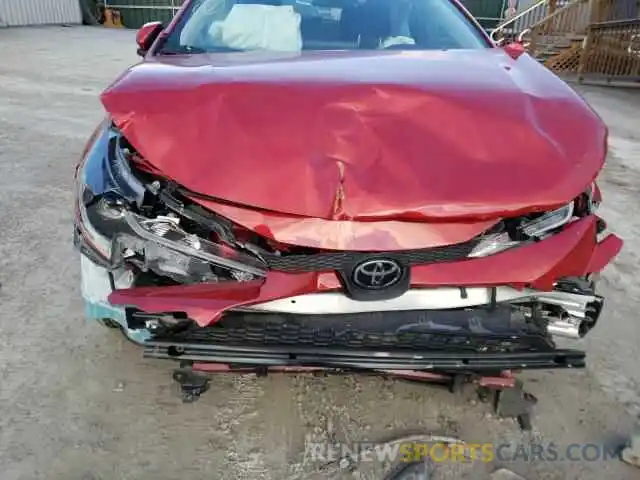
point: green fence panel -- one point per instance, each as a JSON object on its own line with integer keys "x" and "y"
{"x": 135, "y": 13}
{"x": 489, "y": 13}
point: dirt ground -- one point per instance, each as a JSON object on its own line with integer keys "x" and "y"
{"x": 77, "y": 402}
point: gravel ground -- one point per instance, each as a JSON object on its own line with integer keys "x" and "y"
{"x": 78, "y": 402}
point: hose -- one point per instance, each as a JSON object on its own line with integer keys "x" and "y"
{"x": 92, "y": 12}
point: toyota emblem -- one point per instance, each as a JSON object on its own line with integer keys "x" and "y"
{"x": 377, "y": 274}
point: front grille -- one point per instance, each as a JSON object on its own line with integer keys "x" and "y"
{"x": 327, "y": 261}
{"x": 356, "y": 339}
{"x": 434, "y": 331}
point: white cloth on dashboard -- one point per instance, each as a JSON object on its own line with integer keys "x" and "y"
{"x": 261, "y": 27}
{"x": 391, "y": 41}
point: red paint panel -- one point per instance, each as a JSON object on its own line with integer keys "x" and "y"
{"x": 348, "y": 234}
{"x": 364, "y": 136}
{"x": 606, "y": 251}
{"x": 563, "y": 254}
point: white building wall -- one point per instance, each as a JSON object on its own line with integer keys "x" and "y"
{"x": 39, "y": 12}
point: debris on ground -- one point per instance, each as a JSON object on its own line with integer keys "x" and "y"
{"x": 631, "y": 454}
{"x": 504, "y": 474}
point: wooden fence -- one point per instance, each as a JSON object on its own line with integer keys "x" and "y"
{"x": 611, "y": 52}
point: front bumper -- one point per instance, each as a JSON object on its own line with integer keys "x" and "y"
{"x": 476, "y": 286}
{"x": 481, "y": 340}
{"x": 474, "y": 337}
{"x": 574, "y": 252}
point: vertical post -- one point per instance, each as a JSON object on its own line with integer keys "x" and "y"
{"x": 634, "y": 58}
{"x": 502, "y": 14}
{"x": 532, "y": 42}
{"x": 584, "y": 55}
{"x": 596, "y": 10}
{"x": 549, "y": 27}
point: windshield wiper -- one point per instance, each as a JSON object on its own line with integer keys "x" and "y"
{"x": 189, "y": 49}
{"x": 181, "y": 50}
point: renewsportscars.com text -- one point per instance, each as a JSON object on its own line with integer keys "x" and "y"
{"x": 469, "y": 452}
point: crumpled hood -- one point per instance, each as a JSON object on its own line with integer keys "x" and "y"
{"x": 363, "y": 136}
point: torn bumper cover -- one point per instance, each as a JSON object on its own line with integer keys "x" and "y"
{"x": 571, "y": 253}
{"x": 193, "y": 286}
{"x": 290, "y": 320}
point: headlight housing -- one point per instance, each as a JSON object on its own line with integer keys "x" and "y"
{"x": 118, "y": 219}
{"x": 537, "y": 228}
{"x": 103, "y": 184}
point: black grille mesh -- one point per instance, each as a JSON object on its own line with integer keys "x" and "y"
{"x": 376, "y": 330}
{"x": 357, "y": 339}
{"x": 327, "y": 261}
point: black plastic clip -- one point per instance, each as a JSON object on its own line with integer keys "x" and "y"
{"x": 192, "y": 384}
{"x": 515, "y": 403}
{"x": 493, "y": 298}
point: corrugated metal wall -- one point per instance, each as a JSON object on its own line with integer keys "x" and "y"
{"x": 39, "y": 12}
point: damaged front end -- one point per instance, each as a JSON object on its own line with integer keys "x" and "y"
{"x": 193, "y": 285}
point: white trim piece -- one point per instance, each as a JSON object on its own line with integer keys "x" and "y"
{"x": 95, "y": 283}
{"x": 417, "y": 299}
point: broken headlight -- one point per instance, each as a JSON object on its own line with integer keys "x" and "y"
{"x": 169, "y": 249}
{"x": 539, "y": 227}
{"x": 536, "y": 228}
{"x": 104, "y": 184}
{"x": 119, "y": 221}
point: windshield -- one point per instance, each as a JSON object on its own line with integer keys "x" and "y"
{"x": 295, "y": 25}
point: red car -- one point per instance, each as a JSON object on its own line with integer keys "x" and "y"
{"x": 342, "y": 184}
